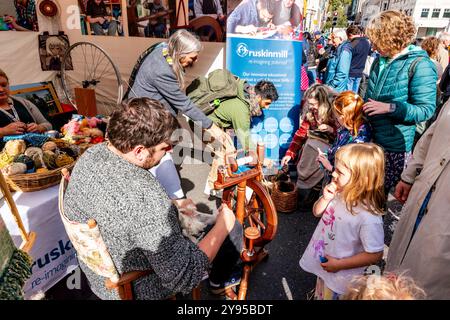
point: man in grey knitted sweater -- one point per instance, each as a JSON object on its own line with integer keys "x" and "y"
{"x": 139, "y": 224}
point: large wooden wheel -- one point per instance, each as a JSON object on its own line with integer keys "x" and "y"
{"x": 259, "y": 211}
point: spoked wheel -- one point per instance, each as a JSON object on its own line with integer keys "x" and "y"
{"x": 259, "y": 210}
{"x": 86, "y": 65}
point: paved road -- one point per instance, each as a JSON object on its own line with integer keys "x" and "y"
{"x": 277, "y": 278}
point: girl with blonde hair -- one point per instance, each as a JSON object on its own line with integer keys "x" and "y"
{"x": 350, "y": 235}
{"x": 348, "y": 111}
{"x": 389, "y": 286}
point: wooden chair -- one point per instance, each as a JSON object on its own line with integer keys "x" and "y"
{"x": 87, "y": 26}
{"x": 206, "y": 21}
{"x": 91, "y": 249}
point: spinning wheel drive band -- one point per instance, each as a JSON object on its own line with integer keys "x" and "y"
{"x": 94, "y": 69}
{"x": 259, "y": 209}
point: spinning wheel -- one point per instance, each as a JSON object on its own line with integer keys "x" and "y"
{"x": 259, "y": 211}
{"x": 198, "y": 24}
{"x": 254, "y": 208}
{"x": 88, "y": 71}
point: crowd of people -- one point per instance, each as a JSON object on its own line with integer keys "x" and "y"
{"x": 386, "y": 98}
{"x": 370, "y": 90}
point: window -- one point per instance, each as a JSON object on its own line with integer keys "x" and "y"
{"x": 446, "y": 13}
{"x": 425, "y": 13}
{"x": 436, "y": 13}
{"x": 431, "y": 32}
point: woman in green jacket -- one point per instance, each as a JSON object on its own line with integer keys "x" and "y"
{"x": 401, "y": 92}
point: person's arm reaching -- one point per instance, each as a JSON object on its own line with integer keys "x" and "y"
{"x": 169, "y": 88}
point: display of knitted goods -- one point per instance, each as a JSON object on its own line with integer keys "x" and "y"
{"x": 82, "y": 129}
{"x": 15, "y": 267}
{"x": 32, "y": 162}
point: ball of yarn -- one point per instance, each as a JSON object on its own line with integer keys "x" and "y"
{"x": 14, "y": 168}
{"x": 5, "y": 159}
{"x": 15, "y": 147}
{"x": 36, "y": 154}
{"x": 94, "y": 132}
{"x": 42, "y": 170}
{"x": 68, "y": 151}
{"x": 63, "y": 160}
{"x": 61, "y": 143}
{"x": 27, "y": 160}
{"x": 49, "y": 146}
{"x": 76, "y": 149}
{"x": 49, "y": 160}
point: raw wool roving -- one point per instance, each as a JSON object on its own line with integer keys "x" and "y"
{"x": 49, "y": 160}
{"x": 5, "y": 159}
{"x": 63, "y": 160}
{"x": 15, "y": 147}
{"x": 14, "y": 168}
{"x": 49, "y": 146}
{"x": 37, "y": 155}
{"x": 42, "y": 170}
{"x": 28, "y": 161}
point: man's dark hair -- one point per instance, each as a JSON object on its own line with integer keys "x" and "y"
{"x": 140, "y": 121}
{"x": 307, "y": 35}
{"x": 266, "y": 90}
{"x": 353, "y": 30}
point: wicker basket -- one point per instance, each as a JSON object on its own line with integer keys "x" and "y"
{"x": 30, "y": 182}
{"x": 284, "y": 196}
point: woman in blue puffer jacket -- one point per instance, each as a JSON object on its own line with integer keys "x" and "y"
{"x": 401, "y": 92}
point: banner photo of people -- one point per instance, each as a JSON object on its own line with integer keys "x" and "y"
{"x": 160, "y": 18}
{"x": 101, "y": 17}
{"x": 263, "y": 44}
{"x": 18, "y": 15}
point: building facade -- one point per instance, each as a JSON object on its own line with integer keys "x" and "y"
{"x": 316, "y": 15}
{"x": 431, "y": 16}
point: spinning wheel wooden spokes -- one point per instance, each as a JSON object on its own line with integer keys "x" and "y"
{"x": 259, "y": 212}
{"x": 254, "y": 209}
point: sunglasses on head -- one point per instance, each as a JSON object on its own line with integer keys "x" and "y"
{"x": 168, "y": 148}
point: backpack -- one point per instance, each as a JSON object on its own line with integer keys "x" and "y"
{"x": 208, "y": 93}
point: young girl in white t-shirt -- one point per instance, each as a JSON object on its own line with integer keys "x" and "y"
{"x": 350, "y": 235}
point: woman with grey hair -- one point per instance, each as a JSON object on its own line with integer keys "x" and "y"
{"x": 442, "y": 58}
{"x": 338, "y": 68}
{"x": 160, "y": 75}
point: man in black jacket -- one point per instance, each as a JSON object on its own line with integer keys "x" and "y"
{"x": 360, "y": 51}
{"x": 444, "y": 85}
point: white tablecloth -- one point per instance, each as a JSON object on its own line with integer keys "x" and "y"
{"x": 52, "y": 253}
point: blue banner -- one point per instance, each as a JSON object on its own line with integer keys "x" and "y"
{"x": 277, "y": 61}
